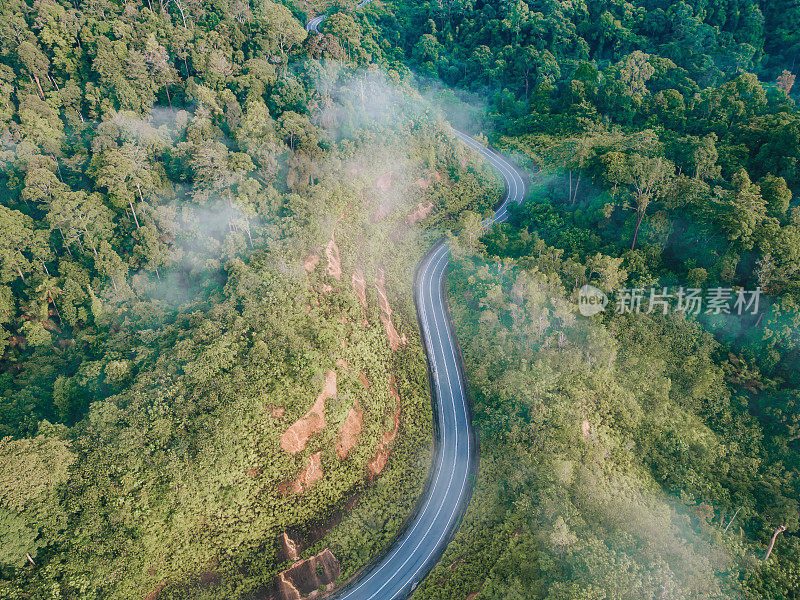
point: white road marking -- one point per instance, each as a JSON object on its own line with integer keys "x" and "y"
{"x": 515, "y": 186}
{"x": 427, "y": 278}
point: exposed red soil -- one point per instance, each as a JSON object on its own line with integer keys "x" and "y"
{"x": 286, "y": 589}
{"x": 351, "y": 429}
{"x": 156, "y": 592}
{"x": 334, "y": 260}
{"x": 360, "y": 289}
{"x": 395, "y": 340}
{"x": 363, "y": 379}
{"x": 276, "y": 412}
{"x": 360, "y": 286}
{"x": 384, "y": 182}
{"x": 295, "y": 438}
{"x": 312, "y": 472}
{"x": 287, "y": 548}
{"x": 422, "y": 210}
{"x": 343, "y": 363}
{"x": 310, "y": 262}
{"x": 383, "y": 301}
{"x": 378, "y": 462}
{"x": 474, "y": 595}
{"x": 380, "y": 213}
{"x": 307, "y": 576}
{"x": 425, "y": 182}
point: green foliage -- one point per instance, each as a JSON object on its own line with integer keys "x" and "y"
{"x": 166, "y": 171}
{"x": 614, "y": 452}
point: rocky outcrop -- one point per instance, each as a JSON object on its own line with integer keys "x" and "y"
{"x": 307, "y": 576}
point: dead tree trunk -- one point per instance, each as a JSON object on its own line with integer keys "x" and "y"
{"x": 134, "y": 214}
{"x": 639, "y": 219}
{"x": 778, "y": 531}
{"x": 35, "y": 79}
{"x": 732, "y": 518}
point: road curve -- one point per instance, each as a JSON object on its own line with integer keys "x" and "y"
{"x": 423, "y": 540}
{"x": 313, "y": 24}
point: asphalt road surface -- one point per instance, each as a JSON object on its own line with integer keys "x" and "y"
{"x": 313, "y": 24}
{"x": 423, "y": 540}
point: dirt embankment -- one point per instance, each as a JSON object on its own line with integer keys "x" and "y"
{"x": 334, "y": 260}
{"x": 310, "y": 262}
{"x": 308, "y": 576}
{"x": 295, "y": 438}
{"x": 309, "y": 475}
{"x": 378, "y": 462}
{"x": 422, "y": 210}
{"x": 351, "y": 429}
{"x": 395, "y": 340}
{"x": 287, "y": 548}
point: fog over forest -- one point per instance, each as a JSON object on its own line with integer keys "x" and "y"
{"x": 212, "y": 378}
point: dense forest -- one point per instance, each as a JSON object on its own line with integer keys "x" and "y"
{"x": 627, "y": 455}
{"x": 209, "y": 226}
{"x": 206, "y": 212}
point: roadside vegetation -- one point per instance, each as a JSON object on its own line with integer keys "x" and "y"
{"x": 209, "y": 222}
{"x": 626, "y": 456}
{"x": 209, "y": 233}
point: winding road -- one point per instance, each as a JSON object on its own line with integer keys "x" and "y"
{"x": 422, "y": 542}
